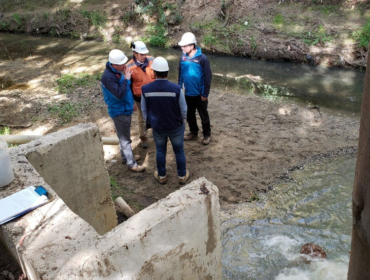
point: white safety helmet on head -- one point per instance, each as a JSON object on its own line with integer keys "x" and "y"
{"x": 117, "y": 57}
{"x": 139, "y": 47}
{"x": 187, "y": 39}
{"x": 160, "y": 64}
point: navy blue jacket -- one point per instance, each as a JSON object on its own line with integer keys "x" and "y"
{"x": 195, "y": 74}
{"x": 117, "y": 92}
{"x": 161, "y": 99}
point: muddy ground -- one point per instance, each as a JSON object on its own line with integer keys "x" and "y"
{"x": 255, "y": 142}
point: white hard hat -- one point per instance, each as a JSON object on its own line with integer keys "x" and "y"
{"x": 160, "y": 64}
{"x": 187, "y": 39}
{"x": 139, "y": 47}
{"x": 117, "y": 57}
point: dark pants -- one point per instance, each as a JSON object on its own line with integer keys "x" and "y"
{"x": 195, "y": 103}
{"x": 177, "y": 140}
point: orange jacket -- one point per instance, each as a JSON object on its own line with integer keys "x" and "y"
{"x": 139, "y": 77}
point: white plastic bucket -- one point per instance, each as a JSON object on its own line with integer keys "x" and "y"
{"x": 6, "y": 169}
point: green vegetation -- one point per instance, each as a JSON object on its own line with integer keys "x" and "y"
{"x": 362, "y": 36}
{"x": 209, "y": 40}
{"x": 318, "y": 37}
{"x": 113, "y": 183}
{"x": 4, "y": 130}
{"x": 253, "y": 44}
{"x": 17, "y": 19}
{"x": 64, "y": 111}
{"x": 278, "y": 20}
{"x": 95, "y": 18}
{"x": 165, "y": 14}
{"x": 45, "y": 16}
{"x": 255, "y": 197}
{"x": 64, "y": 14}
{"x": 325, "y": 9}
{"x": 67, "y": 83}
{"x": 157, "y": 36}
{"x": 4, "y": 25}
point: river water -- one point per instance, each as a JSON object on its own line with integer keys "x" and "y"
{"x": 260, "y": 240}
{"x": 263, "y": 239}
{"x": 339, "y": 89}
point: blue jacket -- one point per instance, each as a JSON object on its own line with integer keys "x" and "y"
{"x": 117, "y": 92}
{"x": 163, "y": 105}
{"x": 195, "y": 74}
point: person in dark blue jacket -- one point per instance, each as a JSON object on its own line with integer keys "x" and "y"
{"x": 195, "y": 77}
{"x": 118, "y": 97}
{"x": 164, "y": 108}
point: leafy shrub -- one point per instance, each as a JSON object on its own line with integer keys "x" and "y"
{"x": 157, "y": 36}
{"x": 362, "y": 36}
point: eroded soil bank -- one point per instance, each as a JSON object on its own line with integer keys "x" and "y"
{"x": 330, "y": 32}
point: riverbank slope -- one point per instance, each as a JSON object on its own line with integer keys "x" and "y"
{"x": 333, "y": 33}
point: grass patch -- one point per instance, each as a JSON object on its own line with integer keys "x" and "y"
{"x": 4, "y": 130}
{"x": 318, "y": 37}
{"x": 67, "y": 83}
{"x": 63, "y": 111}
{"x": 278, "y": 20}
{"x": 114, "y": 183}
{"x": 209, "y": 40}
{"x": 362, "y": 36}
{"x": 95, "y": 17}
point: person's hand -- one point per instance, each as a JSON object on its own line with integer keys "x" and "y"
{"x": 203, "y": 98}
{"x": 135, "y": 107}
{"x": 128, "y": 73}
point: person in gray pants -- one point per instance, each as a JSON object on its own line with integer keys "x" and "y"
{"x": 118, "y": 96}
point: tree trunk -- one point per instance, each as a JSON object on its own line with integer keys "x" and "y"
{"x": 359, "y": 263}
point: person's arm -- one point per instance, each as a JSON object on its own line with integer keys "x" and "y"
{"x": 207, "y": 77}
{"x": 119, "y": 89}
{"x": 183, "y": 106}
{"x": 143, "y": 108}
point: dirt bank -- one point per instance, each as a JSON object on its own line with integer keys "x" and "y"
{"x": 330, "y": 32}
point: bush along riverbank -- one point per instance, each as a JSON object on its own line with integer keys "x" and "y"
{"x": 328, "y": 32}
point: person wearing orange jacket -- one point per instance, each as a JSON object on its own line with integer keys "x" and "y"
{"x": 142, "y": 73}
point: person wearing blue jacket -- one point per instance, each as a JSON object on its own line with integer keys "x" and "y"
{"x": 195, "y": 78}
{"x": 164, "y": 108}
{"x": 120, "y": 102}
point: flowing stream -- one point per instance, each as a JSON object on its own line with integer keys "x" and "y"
{"x": 263, "y": 239}
{"x": 260, "y": 240}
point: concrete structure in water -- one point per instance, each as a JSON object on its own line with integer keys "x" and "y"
{"x": 75, "y": 236}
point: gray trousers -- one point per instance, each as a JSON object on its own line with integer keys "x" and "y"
{"x": 123, "y": 126}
